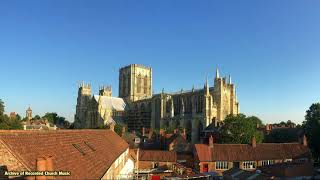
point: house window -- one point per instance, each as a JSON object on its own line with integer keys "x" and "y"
{"x": 266, "y": 162}
{"x": 249, "y": 165}
{"x": 205, "y": 168}
{"x": 302, "y": 160}
{"x": 155, "y": 164}
{"x": 287, "y": 160}
{"x": 221, "y": 165}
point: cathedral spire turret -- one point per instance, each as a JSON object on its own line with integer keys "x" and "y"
{"x": 100, "y": 101}
{"x": 172, "y": 109}
{"x": 217, "y": 73}
{"x": 206, "y": 86}
{"x": 182, "y": 107}
{"x": 230, "y": 82}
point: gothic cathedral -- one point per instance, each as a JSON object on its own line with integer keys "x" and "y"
{"x": 138, "y": 107}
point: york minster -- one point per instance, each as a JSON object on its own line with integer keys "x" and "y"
{"x": 138, "y": 107}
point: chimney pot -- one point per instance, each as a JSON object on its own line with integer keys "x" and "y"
{"x": 211, "y": 141}
{"x": 49, "y": 166}
{"x": 162, "y": 132}
{"x": 254, "y": 142}
{"x": 111, "y": 126}
{"x": 49, "y": 163}
{"x": 123, "y": 130}
{"x": 143, "y": 131}
{"x": 150, "y": 134}
{"x": 184, "y": 134}
{"x": 41, "y": 166}
{"x": 304, "y": 140}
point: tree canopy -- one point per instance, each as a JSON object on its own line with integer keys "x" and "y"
{"x": 240, "y": 129}
{"x": 283, "y": 135}
{"x": 57, "y": 120}
{"x": 311, "y": 127}
{"x": 6, "y": 122}
{"x": 118, "y": 129}
{"x": 1, "y": 107}
{"x": 36, "y": 117}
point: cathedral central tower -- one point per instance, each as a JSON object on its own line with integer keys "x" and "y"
{"x": 135, "y": 82}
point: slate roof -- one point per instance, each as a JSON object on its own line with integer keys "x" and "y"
{"x": 98, "y": 150}
{"x": 242, "y": 152}
{"x": 115, "y": 103}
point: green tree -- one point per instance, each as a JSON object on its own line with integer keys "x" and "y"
{"x": 282, "y": 123}
{"x": 118, "y": 129}
{"x": 37, "y": 117}
{"x": 15, "y": 124}
{"x": 51, "y": 117}
{"x": 18, "y": 117}
{"x": 60, "y": 121}
{"x": 311, "y": 126}
{"x": 8, "y": 123}
{"x": 283, "y": 135}
{"x": 1, "y": 107}
{"x": 24, "y": 119}
{"x": 240, "y": 129}
{"x": 4, "y": 122}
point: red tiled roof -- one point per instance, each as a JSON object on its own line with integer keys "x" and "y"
{"x": 99, "y": 149}
{"x": 157, "y": 155}
{"x": 241, "y": 152}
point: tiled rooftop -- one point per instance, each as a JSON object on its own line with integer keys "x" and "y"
{"x": 157, "y": 155}
{"x": 87, "y": 154}
{"x": 239, "y": 152}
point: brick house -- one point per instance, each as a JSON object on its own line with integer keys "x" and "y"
{"x": 221, "y": 157}
{"x": 150, "y": 159}
{"x": 86, "y": 154}
{"x": 153, "y": 163}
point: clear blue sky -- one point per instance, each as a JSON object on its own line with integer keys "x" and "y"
{"x": 271, "y": 49}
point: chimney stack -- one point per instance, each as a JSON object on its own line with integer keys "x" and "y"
{"x": 162, "y": 133}
{"x": 41, "y": 166}
{"x": 123, "y": 131}
{"x": 254, "y": 142}
{"x": 112, "y": 127}
{"x": 184, "y": 134}
{"x": 49, "y": 165}
{"x": 143, "y": 131}
{"x": 150, "y": 134}
{"x": 304, "y": 140}
{"x": 211, "y": 141}
{"x": 267, "y": 127}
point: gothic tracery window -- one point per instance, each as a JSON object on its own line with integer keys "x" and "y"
{"x": 123, "y": 86}
{"x": 199, "y": 103}
{"x": 139, "y": 83}
{"x": 145, "y": 85}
